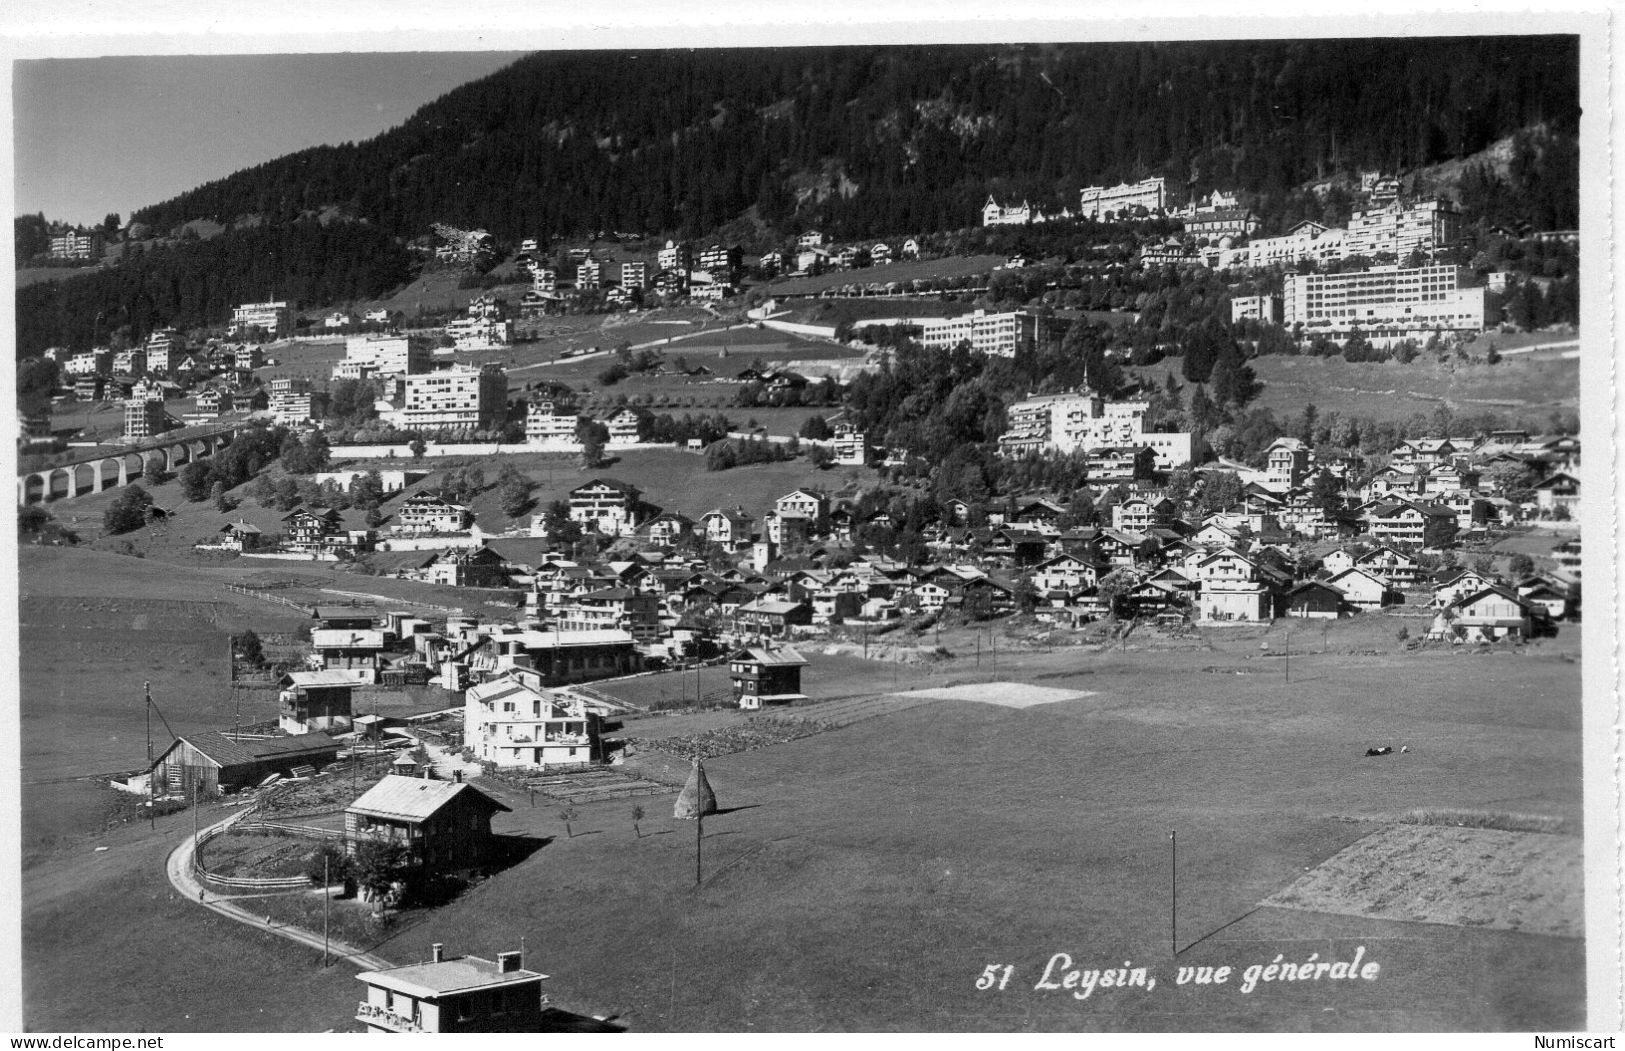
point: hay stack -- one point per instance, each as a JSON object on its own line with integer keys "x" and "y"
{"x": 696, "y": 799}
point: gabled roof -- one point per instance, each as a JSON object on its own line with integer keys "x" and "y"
{"x": 328, "y": 677}
{"x": 239, "y": 750}
{"x": 416, "y": 799}
{"x": 771, "y": 606}
{"x": 780, "y": 657}
{"x": 1310, "y": 585}
{"x": 1493, "y": 589}
{"x": 1357, "y": 571}
{"x": 608, "y": 483}
{"x": 1228, "y": 552}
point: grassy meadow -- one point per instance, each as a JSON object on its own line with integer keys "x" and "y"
{"x": 863, "y": 878}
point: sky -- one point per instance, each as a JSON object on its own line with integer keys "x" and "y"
{"x": 100, "y": 135}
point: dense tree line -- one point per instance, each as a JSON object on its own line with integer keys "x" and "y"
{"x": 677, "y": 141}
{"x": 198, "y": 283}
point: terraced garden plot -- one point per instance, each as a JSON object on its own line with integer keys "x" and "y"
{"x": 1467, "y": 877}
{"x": 596, "y": 785}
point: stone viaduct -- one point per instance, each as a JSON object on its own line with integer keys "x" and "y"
{"x": 93, "y": 474}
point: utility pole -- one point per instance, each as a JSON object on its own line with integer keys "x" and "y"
{"x": 699, "y": 834}
{"x": 1173, "y": 892}
{"x": 327, "y": 902}
{"x": 152, "y": 789}
{"x": 1288, "y": 645}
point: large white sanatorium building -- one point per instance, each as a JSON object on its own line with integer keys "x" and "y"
{"x": 1386, "y": 303}
{"x": 1085, "y": 420}
{"x": 1096, "y": 201}
{"x": 998, "y": 335}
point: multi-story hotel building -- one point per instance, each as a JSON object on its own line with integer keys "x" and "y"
{"x": 674, "y": 257}
{"x": 76, "y": 246}
{"x": 994, "y": 214}
{"x": 549, "y": 422}
{"x": 1398, "y": 229}
{"x": 90, "y": 362}
{"x": 999, "y": 335}
{"x": 634, "y": 273}
{"x": 457, "y": 397}
{"x": 1386, "y": 303}
{"x": 386, "y": 356}
{"x": 1084, "y": 420}
{"x": 164, "y": 348}
{"x": 1308, "y": 241}
{"x": 1256, "y": 308}
{"x": 144, "y": 418}
{"x": 480, "y": 333}
{"x": 275, "y": 318}
{"x": 1095, "y": 201}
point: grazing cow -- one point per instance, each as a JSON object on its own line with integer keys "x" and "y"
{"x": 1384, "y": 750}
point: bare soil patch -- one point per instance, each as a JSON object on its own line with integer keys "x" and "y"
{"x": 1469, "y": 877}
{"x": 1005, "y": 694}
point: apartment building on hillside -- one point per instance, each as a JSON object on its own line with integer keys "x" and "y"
{"x": 1386, "y": 303}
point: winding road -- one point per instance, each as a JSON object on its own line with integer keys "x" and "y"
{"x": 180, "y": 876}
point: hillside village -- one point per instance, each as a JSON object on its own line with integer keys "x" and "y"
{"x": 583, "y": 516}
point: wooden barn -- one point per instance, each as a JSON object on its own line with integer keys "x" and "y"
{"x": 445, "y": 824}
{"x": 219, "y": 761}
{"x": 1316, "y": 599}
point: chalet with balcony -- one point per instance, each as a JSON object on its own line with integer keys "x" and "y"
{"x": 1491, "y": 614}
{"x": 315, "y": 702}
{"x": 1395, "y": 566}
{"x": 242, "y": 536}
{"x": 353, "y": 650}
{"x": 773, "y": 617}
{"x": 608, "y": 506}
{"x": 764, "y": 676}
{"x": 1412, "y": 523}
{"x": 445, "y": 826}
{"x": 729, "y": 528}
{"x": 668, "y": 527}
{"x": 515, "y": 721}
{"x": 1235, "y": 587}
{"x": 426, "y": 512}
{"x": 1365, "y": 590}
{"x": 307, "y": 529}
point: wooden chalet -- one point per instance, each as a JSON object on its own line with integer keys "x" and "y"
{"x": 764, "y": 675}
{"x": 1315, "y": 599}
{"x": 446, "y": 826}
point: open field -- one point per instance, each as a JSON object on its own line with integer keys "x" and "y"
{"x": 1527, "y": 388}
{"x": 109, "y": 946}
{"x": 881, "y": 867}
{"x": 830, "y": 311}
{"x": 96, "y": 628}
{"x": 863, "y": 877}
{"x": 907, "y": 270}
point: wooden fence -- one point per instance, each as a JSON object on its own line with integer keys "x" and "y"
{"x": 264, "y": 595}
{"x": 238, "y": 823}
